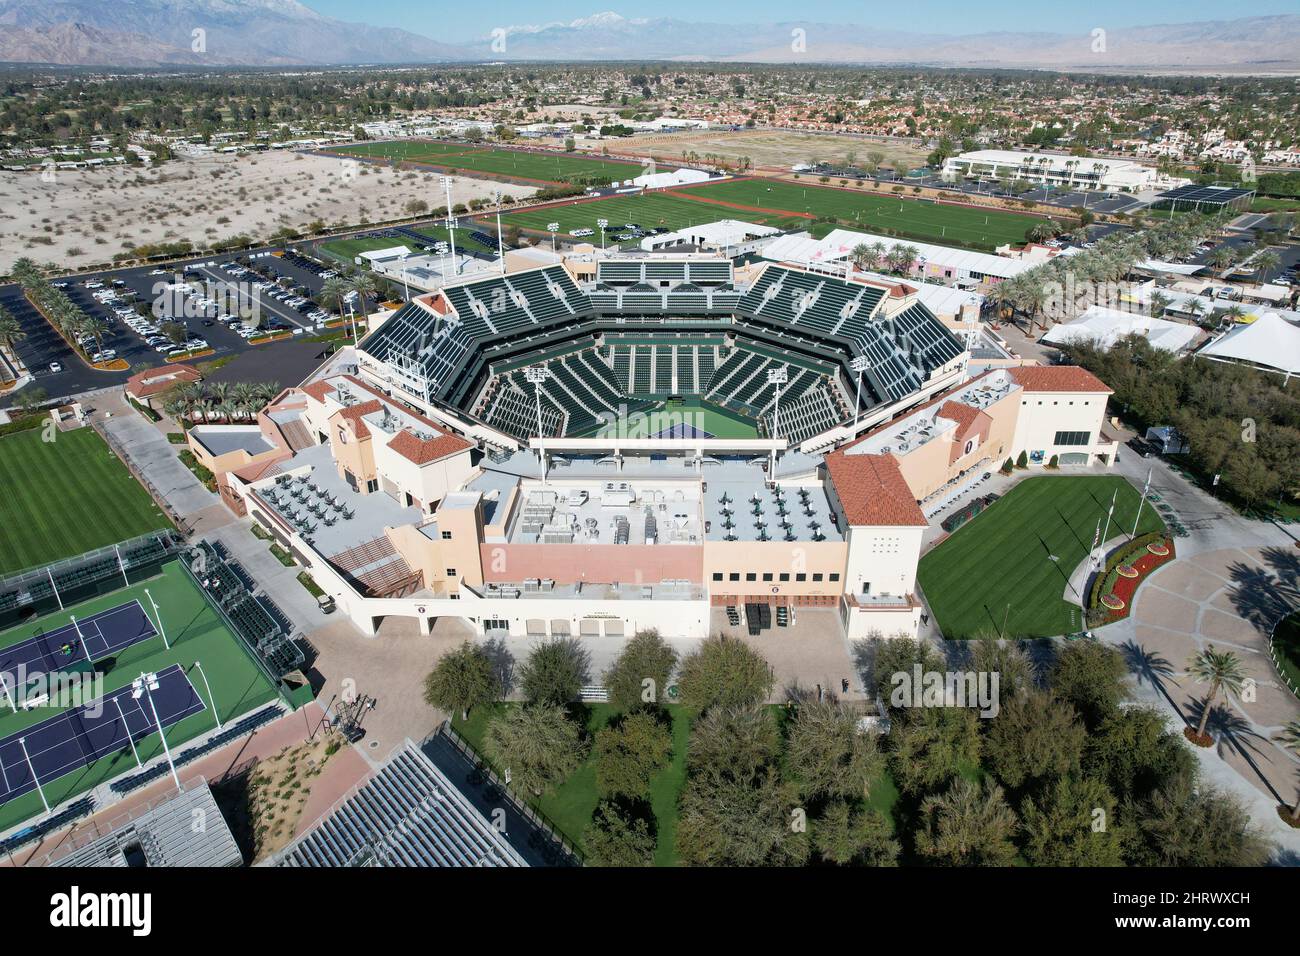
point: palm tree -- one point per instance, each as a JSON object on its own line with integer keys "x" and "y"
{"x": 364, "y": 286}
{"x": 219, "y": 393}
{"x": 11, "y": 332}
{"x": 243, "y": 399}
{"x": 335, "y": 290}
{"x": 1290, "y": 735}
{"x": 1222, "y": 670}
{"x": 1159, "y": 302}
{"x": 860, "y": 255}
{"x": 1267, "y": 261}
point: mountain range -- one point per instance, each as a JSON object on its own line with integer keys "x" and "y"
{"x": 160, "y": 33}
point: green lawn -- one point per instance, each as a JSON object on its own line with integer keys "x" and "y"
{"x": 523, "y": 164}
{"x": 1286, "y": 640}
{"x": 1269, "y": 204}
{"x": 646, "y": 210}
{"x": 196, "y": 633}
{"x": 999, "y": 565}
{"x": 67, "y": 496}
{"x": 349, "y": 249}
{"x": 570, "y": 805}
{"x": 872, "y": 211}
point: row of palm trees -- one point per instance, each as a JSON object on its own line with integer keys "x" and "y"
{"x": 206, "y": 402}
{"x": 336, "y": 290}
{"x": 1111, "y": 259}
{"x": 67, "y": 316}
{"x": 879, "y": 257}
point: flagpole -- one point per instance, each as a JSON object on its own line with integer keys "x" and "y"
{"x": 1110, "y": 511}
{"x": 1145, "y": 489}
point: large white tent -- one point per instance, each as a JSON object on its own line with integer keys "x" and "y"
{"x": 1270, "y": 342}
{"x": 1103, "y": 327}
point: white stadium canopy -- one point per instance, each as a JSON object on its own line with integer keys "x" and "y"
{"x": 1103, "y": 327}
{"x": 1270, "y": 342}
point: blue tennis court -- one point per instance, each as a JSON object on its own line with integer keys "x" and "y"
{"x": 683, "y": 430}
{"x": 101, "y": 635}
{"x": 78, "y": 737}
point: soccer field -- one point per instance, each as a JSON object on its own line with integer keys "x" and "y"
{"x": 195, "y": 633}
{"x": 870, "y": 211}
{"x": 65, "y": 497}
{"x": 646, "y": 210}
{"x": 1013, "y": 561}
{"x": 523, "y": 164}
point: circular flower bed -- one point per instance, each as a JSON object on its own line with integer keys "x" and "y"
{"x": 1112, "y": 602}
{"x": 1191, "y": 734}
{"x": 1127, "y": 571}
{"x": 1158, "y": 549}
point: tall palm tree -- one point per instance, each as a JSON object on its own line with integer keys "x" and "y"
{"x": 364, "y": 286}
{"x": 335, "y": 291}
{"x": 1290, "y": 735}
{"x": 1222, "y": 670}
{"x": 1267, "y": 261}
{"x": 11, "y": 332}
{"x": 244, "y": 399}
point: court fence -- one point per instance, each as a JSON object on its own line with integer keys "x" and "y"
{"x": 533, "y": 815}
{"x": 48, "y": 588}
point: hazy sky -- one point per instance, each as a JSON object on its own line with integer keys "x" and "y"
{"x": 460, "y": 21}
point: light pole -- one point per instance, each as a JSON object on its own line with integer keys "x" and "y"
{"x": 451, "y": 220}
{"x": 603, "y": 224}
{"x": 552, "y": 228}
{"x": 211, "y": 699}
{"x": 859, "y": 364}
{"x": 81, "y": 638}
{"x": 141, "y": 687}
{"x": 501, "y": 248}
{"x": 4, "y": 682}
{"x": 157, "y": 614}
{"x": 777, "y": 377}
{"x": 406, "y": 288}
{"x": 537, "y": 374}
{"x": 28, "y": 757}
{"x": 1145, "y": 489}
{"x": 129, "y": 739}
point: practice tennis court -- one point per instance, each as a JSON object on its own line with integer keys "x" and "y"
{"x": 78, "y": 737}
{"x": 91, "y": 639}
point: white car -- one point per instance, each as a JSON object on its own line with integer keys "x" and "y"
{"x": 56, "y": 367}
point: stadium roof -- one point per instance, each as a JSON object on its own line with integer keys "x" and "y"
{"x": 839, "y": 243}
{"x": 408, "y": 814}
{"x": 1103, "y": 327}
{"x": 163, "y": 835}
{"x": 1269, "y": 342}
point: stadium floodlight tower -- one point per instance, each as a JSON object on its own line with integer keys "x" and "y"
{"x": 143, "y": 686}
{"x": 451, "y": 220}
{"x": 859, "y": 364}
{"x": 603, "y": 224}
{"x": 777, "y": 377}
{"x": 538, "y": 374}
{"x": 552, "y": 228}
{"x": 501, "y": 248}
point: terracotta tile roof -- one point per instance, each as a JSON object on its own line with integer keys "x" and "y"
{"x": 964, "y": 415}
{"x": 1057, "y": 378}
{"x": 319, "y": 390}
{"x": 873, "y": 491}
{"x": 353, "y": 414}
{"x": 422, "y": 452}
{"x": 152, "y": 381}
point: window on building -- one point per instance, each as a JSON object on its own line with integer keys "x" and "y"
{"x": 451, "y": 572}
{"x": 372, "y": 486}
{"x": 784, "y": 576}
{"x": 734, "y": 576}
{"x": 801, "y": 577}
{"x": 1073, "y": 438}
{"x": 717, "y": 575}
{"x": 446, "y": 536}
{"x": 817, "y": 576}
{"x": 751, "y": 576}
{"x": 835, "y": 576}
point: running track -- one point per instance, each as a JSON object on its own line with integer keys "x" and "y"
{"x": 76, "y": 738}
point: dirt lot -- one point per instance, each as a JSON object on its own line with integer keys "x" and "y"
{"x": 84, "y": 217}
{"x": 773, "y": 149}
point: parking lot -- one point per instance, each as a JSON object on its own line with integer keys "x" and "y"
{"x": 154, "y": 315}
